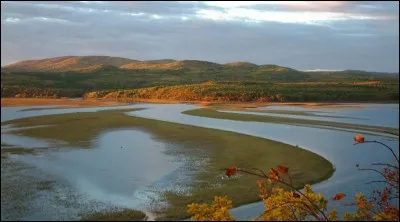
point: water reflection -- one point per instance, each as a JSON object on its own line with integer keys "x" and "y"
{"x": 118, "y": 169}
{"x": 107, "y": 175}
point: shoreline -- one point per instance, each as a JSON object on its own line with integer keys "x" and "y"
{"x": 82, "y": 102}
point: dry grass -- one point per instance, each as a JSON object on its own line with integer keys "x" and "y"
{"x": 333, "y": 83}
{"x": 116, "y": 215}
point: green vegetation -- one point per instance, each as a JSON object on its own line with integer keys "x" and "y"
{"x": 116, "y": 215}
{"x": 212, "y": 113}
{"x": 219, "y": 148}
{"x": 75, "y": 76}
{"x": 256, "y": 92}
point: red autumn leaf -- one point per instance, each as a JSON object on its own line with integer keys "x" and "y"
{"x": 392, "y": 211}
{"x": 359, "y": 138}
{"x": 296, "y": 195}
{"x": 231, "y": 171}
{"x": 274, "y": 175}
{"x": 282, "y": 169}
{"x": 261, "y": 183}
{"x": 339, "y": 196}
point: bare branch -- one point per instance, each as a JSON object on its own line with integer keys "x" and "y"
{"x": 391, "y": 150}
{"x": 378, "y": 181}
{"x": 384, "y": 164}
{"x": 368, "y": 169}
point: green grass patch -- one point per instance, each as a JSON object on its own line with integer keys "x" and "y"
{"x": 116, "y": 215}
{"x": 212, "y": 113}
{"x": 221, "y": 148}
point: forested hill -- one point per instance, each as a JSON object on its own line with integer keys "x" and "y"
{"x": 90, "y": 64}
{"x": 73, "y": 76}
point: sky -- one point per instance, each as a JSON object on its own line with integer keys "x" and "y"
{"x": 304, "y": 35}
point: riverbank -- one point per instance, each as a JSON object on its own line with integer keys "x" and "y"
{"x": 81, "y": 102}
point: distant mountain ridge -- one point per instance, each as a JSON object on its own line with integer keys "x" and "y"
{"x": 93, "y": 63}
{"x": 89, "y": 64}
{"x": 69, "y": 63}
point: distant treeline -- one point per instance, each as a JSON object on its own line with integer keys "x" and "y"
{"x": 255, "y": 91}
{"x": 227, "y": 91}
{"x": 243, "y": 83}
{"x": 23, "y": 92}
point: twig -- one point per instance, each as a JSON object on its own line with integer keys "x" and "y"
{"x": 391, "y": 150}
{"x": 378, "y": 181}
{"x": 368, "y": 169}
{"x": 284, "y": 204}
{"x": 264, "y": 174}
{"x": 294, "y": 214}
{"x": 384, "y": 164}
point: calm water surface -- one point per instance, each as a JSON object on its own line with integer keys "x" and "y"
{"x": 107, "y": 177}
{"x": 117, "y": 169}
{"x": 369, "y": 114}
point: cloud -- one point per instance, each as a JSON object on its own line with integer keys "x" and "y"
{"x": 301, "y": 35}
{"x": 12, "y": 20}
{"x": 290, "y": 11}
{"x": 276, "y": 16}
{"x": 289, "y": 4}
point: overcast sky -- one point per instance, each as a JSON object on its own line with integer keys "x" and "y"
{"x": 332, "y": 35}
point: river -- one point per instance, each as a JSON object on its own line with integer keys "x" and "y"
{"x": 93, "y": 181}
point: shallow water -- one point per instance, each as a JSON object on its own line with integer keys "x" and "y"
{"x": 369, "y": 114}
{"x": 27, "y": 202}
{"x": 334, "y": 145}
{"x": 23, "y": 141}
{"x": 107, "y": 172}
